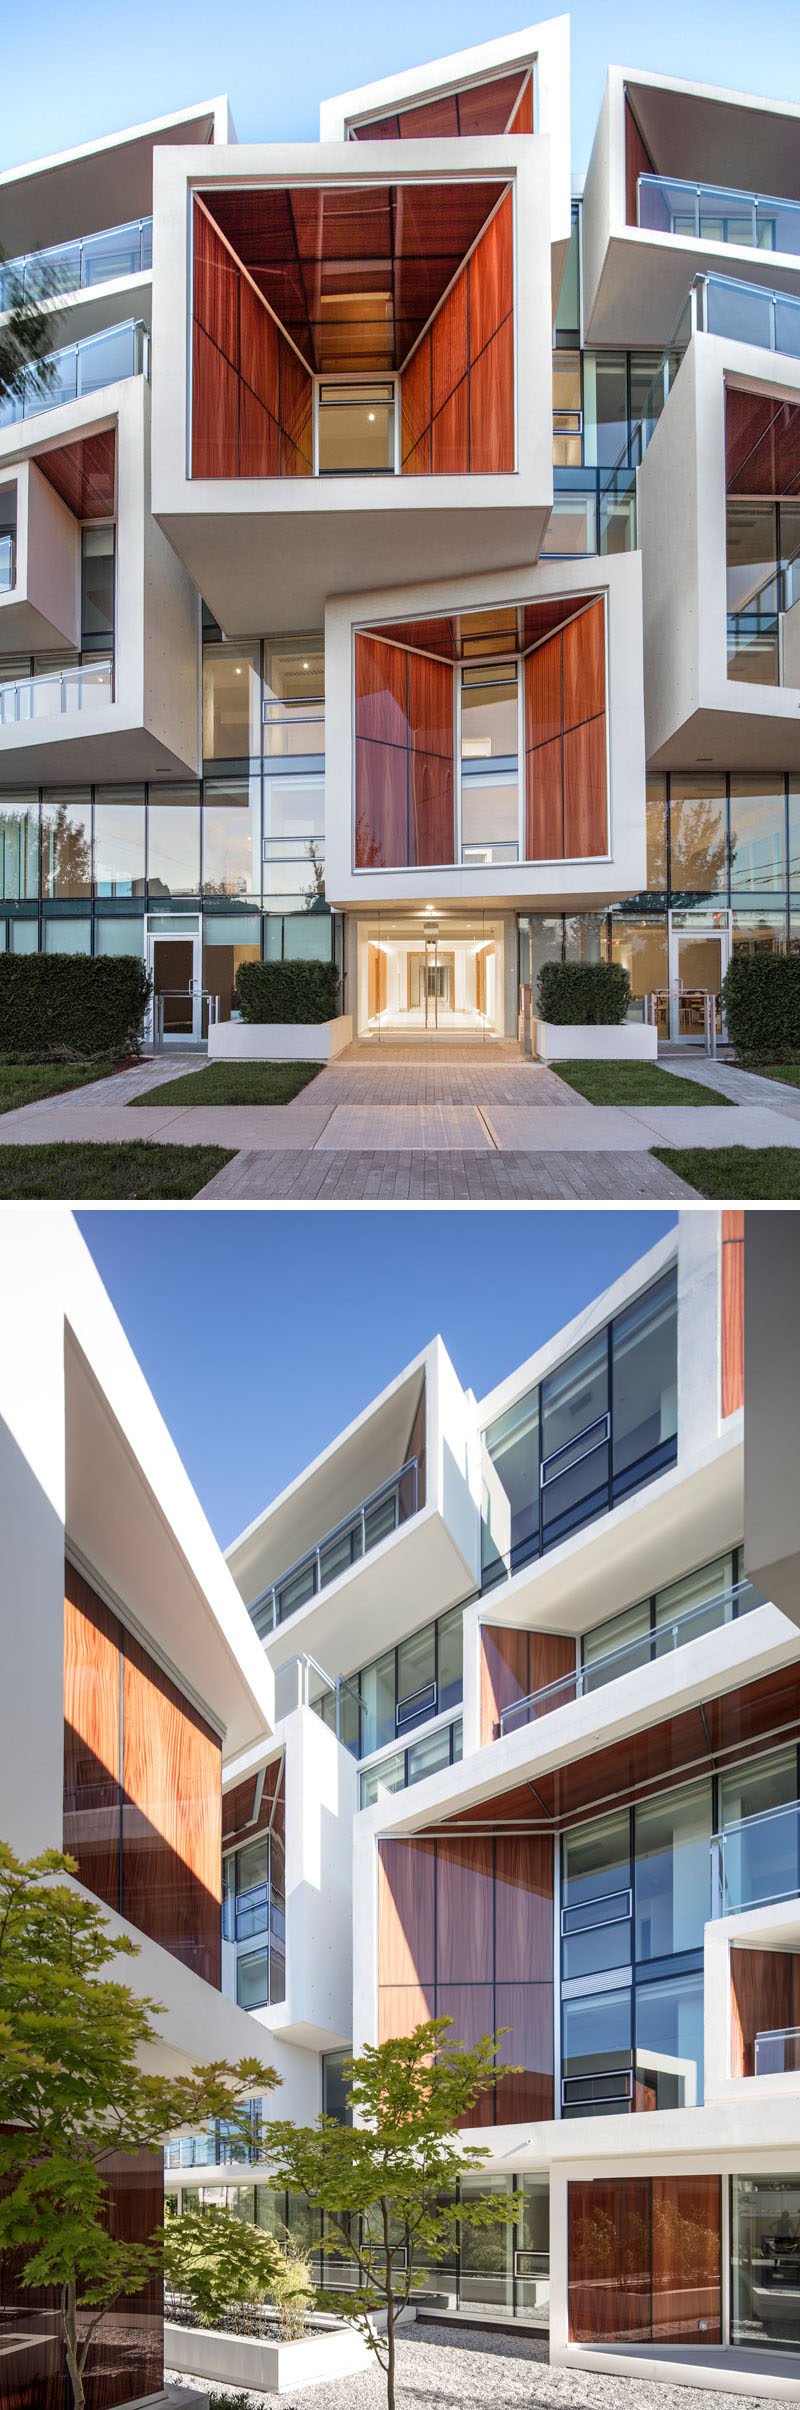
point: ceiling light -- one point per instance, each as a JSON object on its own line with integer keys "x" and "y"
{"x": 305, "y": 664}
{"x": 238, "y": 673}
{"x": 371, "y": 417}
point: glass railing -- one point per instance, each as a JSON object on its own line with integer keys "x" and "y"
{"x": 716, "y": 305}
{"x": 778, "y": 2053}
{"x": 402, "y": 1767}
{"x": 755, "y": 1863}
{"x": 718, "y": 213}
{"x": 349, "y": 1540}
{"x": 93, "y": 259}
{"x": 56, "y": 692}
{"x": 81, "y": 368}
{"x": 708, "y": 1615}
{"x": 219, "y": 2146}
{"x": 8, "y": 563}
{"x": 756, "y": 629}
{"x": 594, "y": 511}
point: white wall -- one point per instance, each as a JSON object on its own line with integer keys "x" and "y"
{"x": 772, "y": 1375}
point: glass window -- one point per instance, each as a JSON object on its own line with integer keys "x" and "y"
{"x": 377, "y": 1686}
{"x": 596, "y": 1904}
{"x": 669, "y": 2043}
{"x": 252, "y": 1980}
{"x": 641, "y": 947}
{"x": 644, "y": 1346}
{"x": 232, "y": 837}
{"x": 231, "y": 702}
{"x": 67, "y": 845}
{"x": 294, "y": 698}
{"x": 567, "y": 439}
{"x": 490, "y": 818}
{"x": 575, "y": 1438}
{"x": 382, "y": 1780}
{"x": 308, "y": 938}
{"x": 597, "y": 2054}
{"x": 68, "y": 936}
{"x": 759, "y": 932}
{"x": 765, "y": 2261}
{"x": 335, "y": 2091}
{"x": 758, "y": 835}
{"x": 704, "y": 1597}
{"x": 119, "y": 935}
{"x": 489, "y": 712}
{"x": 656, "y": 811}
{"x": 672, "y": 1880}
{"x": 752, "y": 550}
{"x": 19, "y": 846}
{"x": 450, "y": 1638}
{"x": 697, "y": 836}
{"x": 97, "y": 607}
{"x": 119, "y": 841}
{"x": 630, "y": 1631}
{"x": 605, "y": 408}
{"x": 584, "y": 937}
{"x": 568, "y": 313}
{"x": 428, "y": 1756}
{"x": 294, "y": 839}
{"x": 356, "y": 429}
{"x": 228, "y": 940}
{"x": 510, "y": 1487}
{"x": 762, "y": 1859}
{"x": 416, "y": 1676}
{"x": 24, "y": 937}
{"x": 173, "y": 833}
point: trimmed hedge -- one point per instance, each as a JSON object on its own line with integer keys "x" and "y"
{"x": 761, "y": 1001}
{"x": 288, "y": 991}
{"x": 584, "y": 994}
{"x": 71, "y": 1004}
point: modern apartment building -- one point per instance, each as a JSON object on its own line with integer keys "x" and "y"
{"x": 400, "y": 563}
{"x": 493, "y": 1714}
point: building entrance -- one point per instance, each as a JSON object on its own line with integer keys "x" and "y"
{"x": 425, "y": 976}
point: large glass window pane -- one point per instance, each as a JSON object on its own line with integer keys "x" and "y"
{"x": 704, "y": 1598}
{"x": 669, "y": 2043}
{"x": 381, "y": 1781}
{"x": 232, "y": 837}
{"x": 428, "y": 1756}
{"x": 356, "y": 429}
{"x": 487, "y": 2253}
{"x": 597, "y": 2054}
{"x": 19, "y": 847}
{"x": 567, "y": 437}
{"x": 227, "y": 942}
{"x": 595, "y": 1897}
{"x": 510, "y": 1487}
{"x": 490, "y": 818}
{"x": 629, "y": 1633}
{"x": 252, "y": 1980}
{"x": 308, "y": 938}
{"x": 67, "y": 845}
{"x": 575, "y": 1438}
{"x": 294, "y": 841}
{"x": 119, "y": 841}
{"x": 97, "y": 606}
{"x": 698, "y": 836}
{"x": 24, "y": 937}
{"x": 656, "y": 812}
{"x": 672, "y": 1876}
{"x": 605, "y": 407}
{"x": 752, "y": 550}
{"x": 294, "y": 697}
{"x": 231, "y": 702}
{"x": 758, "y": 835}
{"x": 377, "y": 1687}
{"x": 335, "y": 2089}
{"x": 120, "y": 934}
{"x": 765, "y": 2257}
{"x": 644, "y": 1348}
{"x": 641, "y": 947}
{"x": 68, "y": 936}
{"x": 759, "y": 932}
{"x": 173, "y": 832}
{"x": 489, "y": 712}
{"x": 450, "y": 1642}
{"x": 762, "y": 1859}
{"x": 416, "y": 1677}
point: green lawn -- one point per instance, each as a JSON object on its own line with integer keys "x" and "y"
{"x": 635, "y": 1084}
{"x": 233, "y": 1084}
{"x": 789, "y": 1073}
{"x": 82, "y": 1172}
{"x": 735, "y": 1173}
{"x": 25, "y": 1083}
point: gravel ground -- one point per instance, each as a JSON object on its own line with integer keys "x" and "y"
{"x": 438, "y": 2370}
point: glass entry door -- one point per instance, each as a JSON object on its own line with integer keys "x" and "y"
{"x": 699, "y": 959}
{"x": 173, "y": 960}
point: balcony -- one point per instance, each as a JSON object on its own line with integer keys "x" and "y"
{"x": 94, "y": 259}
{"x": 56, "y": 693}
{"x": 707, "y": 1616}
{"x": 764, "y": 631}
{"x": 718, "y": 305}
{"x": 716, "y": 213}
{"x": 778, "y": 2053}
{"x": 383, "y": 1512}
{"x": 8, "y": 563}
{"x": 80, "y": 369}
{"x": 755, "y": 1862}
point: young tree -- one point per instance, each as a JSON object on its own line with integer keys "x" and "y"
{"x": 76, "y": 2089}
{"x": 30, "y": 331}
{"x": 218, "y": 2260}
{"x": 387, "y": 2184}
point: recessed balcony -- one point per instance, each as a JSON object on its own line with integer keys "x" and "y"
{"x": 65, "y": 268}
{"x": 708, "y": 1615}
{"x": 79, "y": 369}
{"x": 715, "y": 213}
{"x": 755, "y": 1860}
{"x": 53, "y": 693}
{"x": 383, "y": 1512}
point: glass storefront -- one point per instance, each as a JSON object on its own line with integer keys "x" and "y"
{"x": 765, "y": 2262}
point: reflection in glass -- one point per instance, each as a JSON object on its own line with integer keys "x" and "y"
{"x": 762, "y": 1859}
{"x": 68, "y": 936}
{"x": 645, "y": 1381}
{"x": 765, "y": 2261}
{"x": 758, "y": 835}
{"x": 510, "y": 1488}
{"x": 356, "y": 429}
{"x": 231, "y": 701}
{"x": 118, "y": 841}
{"x": 228, "y": 940}
{"x": 673, "y": 1872}
{"x": 97, "y": 604}
{"x": 596, "y": 1904}
{"x": 174, "y": 841}
{"x": 697, "y": 835}
{"x": 231, "y": 837}
{"x": 575, "y": 1438}
{"x": 669, "y": 2043}
{"x": 66, "y": 844}
{"x": 597, "y": 2055}
{"x": 19, "y": 846}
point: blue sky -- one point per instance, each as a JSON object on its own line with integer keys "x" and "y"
{"x": 69, "y": 79}
{"x": 262, "y": 1334}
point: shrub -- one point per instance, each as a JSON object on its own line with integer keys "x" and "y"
{"x": 71, "y": 1004}
{"x": 584, "y": 993}
{"x": 288, "y": 991}
{"x": 761, "y": 1002}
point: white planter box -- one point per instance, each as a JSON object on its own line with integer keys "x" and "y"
{"x": 198, "y": 2351}
{"x": 278, "y": 1041}
{"x": 569, "y": 1042}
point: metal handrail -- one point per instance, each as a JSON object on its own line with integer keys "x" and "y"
{"x": 45, "y": 381}
{"x": 584, "y": 1678}
{"x": 311, "y": 1557}
{"x": 779, "y": 2034}
{"x": 601, "y": 1423}
{"x": 721, "y": 192}
{"x": 335, "y": 1683}
{"x": 182, "y": 995}
{"x": 729, "y": 1832}
{"x": 96, "y": 673}
{"x": 24, "y": 269}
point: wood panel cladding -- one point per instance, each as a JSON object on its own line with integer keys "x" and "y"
{"x": 126, "y": 2359}
{"x": 565, "y": 741}
{"x": 644, "y": 2260}
{"x": 522, "y": 120}
{"x": 732, "y": 1312}
{"x": 457, "y": 391}
{"x": 765, "y": 1998}
{"x": 242, "y": 1821}
{"x": 465, "y": 1930}
{"x": 142, "y": 1785}
{"x": 251, "y": 392}
{"x": 405, "y": 769}
{"x": 515, "y": 1663}
{"x": 638, "y": 162}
